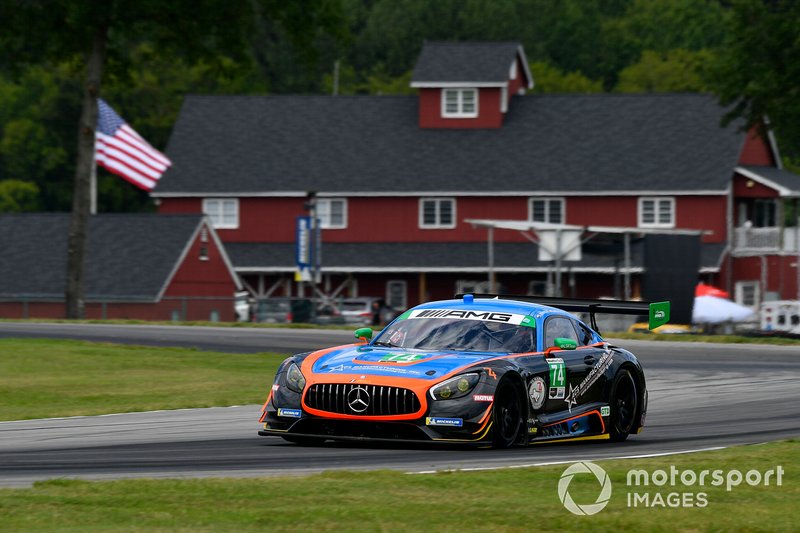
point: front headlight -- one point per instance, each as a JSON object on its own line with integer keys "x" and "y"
{"x": 295, "y": 379}
{"x": 455, "y": 387}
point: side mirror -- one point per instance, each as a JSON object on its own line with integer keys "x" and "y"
{"x": 561, "y": 343}
{"x": 364, "y": 333}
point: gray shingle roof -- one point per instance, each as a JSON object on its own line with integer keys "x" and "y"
{"x": 248, "y": 144}
{"x": 422, "y": 256}
{"x": 783, "y": 178}
{"x": 129, "y": 256}
{"x": 465, "y": 62}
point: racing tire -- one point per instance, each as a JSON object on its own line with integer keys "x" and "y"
{"x": 624, "y": 406}
{"x": 303, "y": 441}
{"x": 506, "y": 415}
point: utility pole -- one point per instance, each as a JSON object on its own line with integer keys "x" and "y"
{"x": 74, "y": 295}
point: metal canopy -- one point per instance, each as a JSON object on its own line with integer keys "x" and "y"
{"x": 530, "y": 230}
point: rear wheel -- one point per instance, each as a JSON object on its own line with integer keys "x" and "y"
{"x": 624, "y": 405}
{"x": 506, "y": 415}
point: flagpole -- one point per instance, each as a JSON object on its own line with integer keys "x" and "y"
{"x": 93, "y": 186}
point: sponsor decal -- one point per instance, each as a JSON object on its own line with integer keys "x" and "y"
{"x": 466, "y": 314}
{"x": 533, "y": 430}
{"x": 590, "y": 379}
{"x": 605, "y": 411}
{"x": 275, "y": 388}
{"x": 380, "y": 368}
{"x": 483, "y": 397}
{"x": 439, "y": 421}
{"x": 660, "y": 314}
{"x": 557, "y": 393}
{"x": 401, "y": 357}
{"x": 536, "y": 392}
{"x": 290, "y": 413}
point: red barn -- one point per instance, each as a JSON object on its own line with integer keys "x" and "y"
{"x": 397, "y": 178}
{"x": 142, "y": 266}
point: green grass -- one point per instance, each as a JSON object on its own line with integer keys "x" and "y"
{"x": 50, "y": 378}
{"x": 501, "y": 500}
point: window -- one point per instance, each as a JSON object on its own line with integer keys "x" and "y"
{"x": 546, "y": 210}
{"x": 332, "y": 213}
{"x": 396, "y": 295}
{"x": 513, "y": 71}
{"x": 656, "y": 212}
{"x": 223, "y": 212}
{"x": 437, "y": 213}
{"x": 558, "y": 327}
{"x": 586, "y": 335}
{"x": 747, "y": 293}
{"x": 460, "y": 103}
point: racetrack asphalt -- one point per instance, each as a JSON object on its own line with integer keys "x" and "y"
{"x": 701, "y": 396}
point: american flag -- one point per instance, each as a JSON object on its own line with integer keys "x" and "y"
{"x": 119, "y": 149}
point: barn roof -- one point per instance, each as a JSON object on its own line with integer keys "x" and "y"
{"x": 599, "y": 257}
{"x": 465, "y": 62}
{"x": 596, "y": 144}
{"x": 130, "y": 257}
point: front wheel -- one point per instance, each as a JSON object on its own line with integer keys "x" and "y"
{"x": 624, "y": 405}
{"x": 506, "y": 415}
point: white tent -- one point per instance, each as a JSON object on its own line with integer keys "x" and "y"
{"x": 713, "y": 310}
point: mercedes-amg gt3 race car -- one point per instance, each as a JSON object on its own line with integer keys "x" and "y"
{"x": 481, "y": 369}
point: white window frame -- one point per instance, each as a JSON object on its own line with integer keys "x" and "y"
{"x": 325, "y": 222}
{"x": 657, "y": 201}
{"x": 437, "y": 224}
{"x": 512, "y": 73}
{"x": 739, "y": 293}
{"x": 213, "y": 208}
{"x": 404, "y": 300}
{"x": 460, "y": 113}
{"x": 504, "y": 99}
{"x": 547, "y": 200}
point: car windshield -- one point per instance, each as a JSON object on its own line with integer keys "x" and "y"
{"x": 458, "y": 335}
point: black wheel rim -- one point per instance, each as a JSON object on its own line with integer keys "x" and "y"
{"x": 625, "y": 404}
{"x": 508, "y": 416}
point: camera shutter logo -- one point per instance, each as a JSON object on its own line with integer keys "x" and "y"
{"x": 584, "y": 468}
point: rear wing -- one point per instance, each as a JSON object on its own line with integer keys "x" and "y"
{"x": 658, "y": 312}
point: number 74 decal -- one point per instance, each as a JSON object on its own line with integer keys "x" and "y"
{"x": 558, "y": 378}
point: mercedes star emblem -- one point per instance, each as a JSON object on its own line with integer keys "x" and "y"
{"x": 358, "y": 399}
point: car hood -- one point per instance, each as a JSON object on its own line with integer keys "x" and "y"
{"x": 379, "y": 361}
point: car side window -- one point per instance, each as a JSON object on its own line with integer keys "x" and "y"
{"x": 585, "y": 334}
{"x": 558, "y": 326}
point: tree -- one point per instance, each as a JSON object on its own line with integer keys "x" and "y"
{"x": 675, "y": 71}
{"x": 102, "y": 32}
{"x": 17, "y": 196}
{"x": 549, "y": 79}
{"x": 758, "y": 69}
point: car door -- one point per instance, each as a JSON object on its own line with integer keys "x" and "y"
{"x": 567, "y": 367}
{"x": 596, "y": 361}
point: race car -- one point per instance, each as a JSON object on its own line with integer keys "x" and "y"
{"x": 490, "y": 370}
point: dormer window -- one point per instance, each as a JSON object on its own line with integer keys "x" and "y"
{"x": 512, "y": 74}
{"x": 459, "y": 103}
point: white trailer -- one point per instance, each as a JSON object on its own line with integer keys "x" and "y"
{"x": 781, "y": 315}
